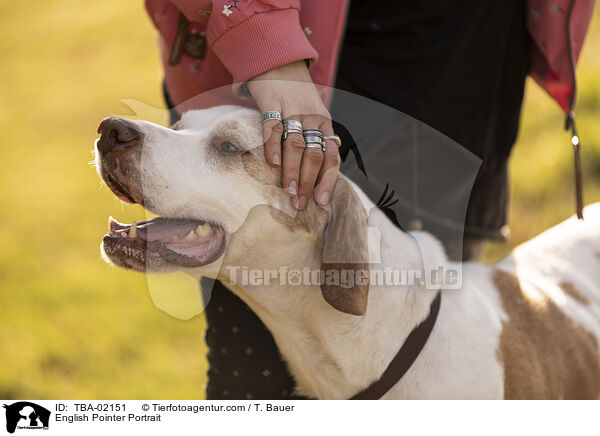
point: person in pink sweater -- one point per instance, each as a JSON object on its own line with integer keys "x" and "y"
{"x": 456, "y": 65}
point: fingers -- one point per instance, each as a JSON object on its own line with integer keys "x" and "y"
{"x": 272, "y": 130}
{"x": 329, "y": 169}
{"x": 293, "y": 149}
{"x": 312, "y": 159}
{"x": 303, "y": 166}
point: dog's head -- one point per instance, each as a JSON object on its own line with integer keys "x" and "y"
{"x": 218, "y": 199}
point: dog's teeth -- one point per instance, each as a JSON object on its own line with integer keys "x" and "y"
{"x": 190, "y": 236}
{"x": 204, "y": 229}
{"x": 109, "y": 226}
{"x": 176, "y": 238}
{"x": 133, "y": 230}
{"x": 123, "y": 234}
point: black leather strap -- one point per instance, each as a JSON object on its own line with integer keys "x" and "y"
{"x": 406, "y": 356}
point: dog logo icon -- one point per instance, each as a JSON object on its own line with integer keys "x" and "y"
{"x": 26, "y": 415}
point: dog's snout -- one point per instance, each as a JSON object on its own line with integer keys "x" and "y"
{"x": 117, "y": 132}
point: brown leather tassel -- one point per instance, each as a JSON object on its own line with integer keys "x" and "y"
{"x": 570, "y": 124}
{"x": 177, "y": 49}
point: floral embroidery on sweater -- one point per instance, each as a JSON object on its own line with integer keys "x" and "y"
{"x": 233, "y": 4}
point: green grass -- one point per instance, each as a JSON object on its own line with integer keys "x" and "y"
{"x": 73, "y": 327}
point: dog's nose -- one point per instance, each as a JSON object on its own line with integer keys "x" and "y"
{"x": 117, "y": 133}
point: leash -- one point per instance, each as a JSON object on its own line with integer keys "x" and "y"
{"x": 406, "y": 356}
{"x": 576, "y": 142}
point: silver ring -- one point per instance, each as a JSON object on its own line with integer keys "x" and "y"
{"x": 271, "y": 115}
{"x": 318, "y": 145}
{"x": 292, "y": 131}
{"x": 313, "y": 138}
{"x": 334, "y": 138}
{"x": 292, "y": 124}
{"x": 286, "y": 132}
{"x": 312, "y": 132}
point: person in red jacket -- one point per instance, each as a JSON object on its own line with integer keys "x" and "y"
{"x": 458, "y": 66}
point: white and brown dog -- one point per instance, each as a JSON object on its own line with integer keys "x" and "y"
{"x": 525, "y": 327}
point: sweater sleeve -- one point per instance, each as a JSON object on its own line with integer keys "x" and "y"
{"x": 251, "y": 37}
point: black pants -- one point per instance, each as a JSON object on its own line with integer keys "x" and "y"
{"x": 457, "y": 65}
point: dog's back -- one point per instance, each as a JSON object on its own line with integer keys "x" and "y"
{"x": 550, "y": 292}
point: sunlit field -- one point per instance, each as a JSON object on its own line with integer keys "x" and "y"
{"x": 70, "y": 325}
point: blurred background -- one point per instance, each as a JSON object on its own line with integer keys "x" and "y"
{"x": 73, "y": 327}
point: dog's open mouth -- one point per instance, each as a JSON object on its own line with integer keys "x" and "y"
{"x": 187, "y": 243}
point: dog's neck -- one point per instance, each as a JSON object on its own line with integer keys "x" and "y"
{"x": 333, "y": 355}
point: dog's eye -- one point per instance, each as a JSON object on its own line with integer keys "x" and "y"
{"x": 228, "y": 148}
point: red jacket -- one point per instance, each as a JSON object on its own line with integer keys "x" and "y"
{"x": 245, "y": 38}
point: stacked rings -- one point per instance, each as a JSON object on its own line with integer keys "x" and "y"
{"x": 291, "y": 126}
{"x": 271, "y": 115}
{"x": 316, "y": 132}
{"x": 314, "y": 139}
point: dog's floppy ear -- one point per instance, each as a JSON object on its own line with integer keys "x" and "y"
{"x": 345, "y": 261}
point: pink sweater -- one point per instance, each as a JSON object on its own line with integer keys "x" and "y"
{"x": 248, "y": 37}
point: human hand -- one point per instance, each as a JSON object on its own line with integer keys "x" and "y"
{"x": 289, "y": 90}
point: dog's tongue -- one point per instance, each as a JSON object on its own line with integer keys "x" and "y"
{"x": 173, "y": 230}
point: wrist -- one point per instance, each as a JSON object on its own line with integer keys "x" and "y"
{"x": 295, "y": 71}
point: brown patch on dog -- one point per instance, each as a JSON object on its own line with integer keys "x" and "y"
{"x": 346, "y": 251}
{"x": 232, "y": 131}
{"x": 313, "y": 219}
{"x": 257, "y": 168}
{"x": 570, "y": 290}
{"x": 544, "y": 353}
{"x": 342, "y": 232}
{"x": 270, "y": 177}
